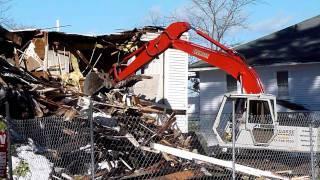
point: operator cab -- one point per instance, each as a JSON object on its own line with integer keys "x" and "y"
{"x": 254, "y": 116}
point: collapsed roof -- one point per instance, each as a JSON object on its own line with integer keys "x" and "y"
{"x": 42, "y": 69}
{"x": 110, "y": 47}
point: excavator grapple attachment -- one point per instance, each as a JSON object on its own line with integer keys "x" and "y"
{"x": 95, "y": 81}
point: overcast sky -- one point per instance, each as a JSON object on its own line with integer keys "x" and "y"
{"x": 107, "y": 16}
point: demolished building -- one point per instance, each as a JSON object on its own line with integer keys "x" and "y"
{"x": 43, "y": 74}
{"x": 71, "y": 57}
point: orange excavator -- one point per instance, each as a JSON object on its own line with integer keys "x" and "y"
{"x": 252, "y": 113}
{"x": 226, "y": 59}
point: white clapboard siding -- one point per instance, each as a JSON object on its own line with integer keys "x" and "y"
{"x": 304, "y": 83}
{"x": 212, "y": 88}
{"x": 53, "y": 63}
{"x": 176, "y": 71}
{"x": 176, "y": 83}
{"x": 172, "y": 68}
{"x": 304, "y": 86}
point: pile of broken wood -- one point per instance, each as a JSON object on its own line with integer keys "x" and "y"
{"x": 124, "y": 124}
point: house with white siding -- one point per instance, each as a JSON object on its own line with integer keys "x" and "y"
{"x": 287, "y": 61}
{"x": 169, "y": 82}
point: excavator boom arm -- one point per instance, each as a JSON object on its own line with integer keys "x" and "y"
{"x": 225, "y": 59}
{"x": 232, "y": 65}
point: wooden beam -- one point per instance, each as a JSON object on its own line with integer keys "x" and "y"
{"x": 218, "y": 162}
{"x": 16, "y": 39}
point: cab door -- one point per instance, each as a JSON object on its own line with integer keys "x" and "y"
{"x": 261, "y": 121}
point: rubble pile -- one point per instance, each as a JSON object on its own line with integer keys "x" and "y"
{"x": 45, "y": 71}
{"x": 124, "y": 124}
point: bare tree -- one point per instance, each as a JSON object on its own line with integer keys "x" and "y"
{"x": 7, "y": 21}
{"x": 155, "y": 18}
{"x": 215, "y": 17}
{"x": 4, "y": 18}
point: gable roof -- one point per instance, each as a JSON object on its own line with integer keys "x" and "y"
{"x": 299, "y": 43}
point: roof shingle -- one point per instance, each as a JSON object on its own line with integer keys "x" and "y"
{"x": 299, "y": 43}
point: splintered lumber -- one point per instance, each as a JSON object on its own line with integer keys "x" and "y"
{"x": 214, "y": 161}
{"x": 150, "y": 110}
{"x": 83, "y": 58}
{"x": 160, "y": 107}
{"x": 167, "y": 124}
{"x": 130, "y": 81}
{"x": 188, "y": 174}
{"x": 16, "y": 39}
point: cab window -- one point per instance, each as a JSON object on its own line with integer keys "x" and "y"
{"x": 259, "y": 112}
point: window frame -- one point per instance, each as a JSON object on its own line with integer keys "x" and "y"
{"x": 229, "y": 86}
{"x": 283, "y": 90}
{"x": 269, "y": 107}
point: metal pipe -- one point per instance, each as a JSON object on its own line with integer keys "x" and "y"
{"x": 233, "y": 141}
{"x": 7, "y": 119}
{"x": 218, "y": 44}
{"x": 313, "y": 177}
{"x": 59, "y": 61}
{"x": 93, "y": 51}
{"x": 241, "y": 83}
{"x": 90, "y": 116}
{"x": 97, "y": 60}
{"x": 95, "y": 63}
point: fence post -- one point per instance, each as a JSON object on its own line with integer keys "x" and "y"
{"x": 7, "y": 119}
{"x": 311, "y": 151}
{"x": 90, "y": 116}
{"x": 233, "y": 141}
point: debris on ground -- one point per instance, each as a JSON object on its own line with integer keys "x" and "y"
{"x": 52, "y": 74}
{"x": 26, "y": 164}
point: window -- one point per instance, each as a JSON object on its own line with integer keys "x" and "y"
{"x": 231, "y": 83}
{"x": 259, "y": 112}
{"x": 283, "y": 85}
{"x": 240, "y": 106}
{"x": 140, "y": 71}
{"x": 227, "y": 108}
{"x": 225, "y": 119}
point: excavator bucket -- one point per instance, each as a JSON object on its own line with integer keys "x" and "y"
{"x": 95, "y": 81}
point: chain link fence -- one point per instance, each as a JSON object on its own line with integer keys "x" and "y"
{"x": 132, "y": 147}
{"x": 289, "y": 147}
{"x": 50, "y": 147}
